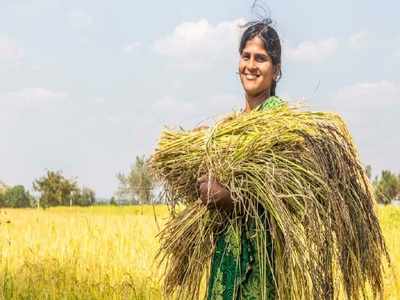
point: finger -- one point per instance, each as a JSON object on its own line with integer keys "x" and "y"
{"x": 204, "y": 195}
{"x": 203, "y": 187}
{"x": 205, "y": 191}
{"x": 202, "y": 179}
{"x": 199, "y": 182}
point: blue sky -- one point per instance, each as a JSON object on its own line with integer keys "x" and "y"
{"x": 88, "y": 85}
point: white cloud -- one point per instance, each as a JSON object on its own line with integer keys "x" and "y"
{"x": 199, "y": 44}
{"x": 30, "y": 98}
{"x": 312, "y": 51}
{"x": 359, "y": 40}
{"x": 131, "y": 47}
{"x": 80, "y": 19}
{"x": 9, "y": 50}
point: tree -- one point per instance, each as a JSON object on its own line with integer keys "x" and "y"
{"x": 55, "y": 189}
{"x": 387, "y": 187}
{"x": 16, "y": 197}
{"x": 84, "y": 197}
{"x": 113, "y": 202}
{"x": 138, "y": 184}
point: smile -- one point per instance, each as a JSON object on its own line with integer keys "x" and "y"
{"x": 250, "y": 76}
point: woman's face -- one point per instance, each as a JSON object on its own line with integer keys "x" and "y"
{"x": 256, "y": 69}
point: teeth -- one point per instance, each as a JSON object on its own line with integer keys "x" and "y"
{"x": 250, "y": 76}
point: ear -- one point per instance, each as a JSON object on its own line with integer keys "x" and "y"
{"x": 277, "y": 72}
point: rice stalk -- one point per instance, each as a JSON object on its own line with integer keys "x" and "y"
{"x": 300, "y": 168}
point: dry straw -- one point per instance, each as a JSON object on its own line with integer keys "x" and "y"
{"x": 303, "y": 170}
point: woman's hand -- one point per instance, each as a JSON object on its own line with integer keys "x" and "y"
{"x": 213, "y": 194}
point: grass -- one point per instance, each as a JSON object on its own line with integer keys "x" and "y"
{"x": 105, "y": 252}
{"x": 79, "y": 253}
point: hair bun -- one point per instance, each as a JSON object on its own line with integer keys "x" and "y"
{"x": 266, "y": 21}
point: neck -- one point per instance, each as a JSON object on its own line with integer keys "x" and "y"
{"x": 254, "y": 101}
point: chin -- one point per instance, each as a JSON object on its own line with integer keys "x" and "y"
{"x": 254, "y": 92}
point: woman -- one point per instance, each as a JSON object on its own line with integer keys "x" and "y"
{"x": 235, "y": 273}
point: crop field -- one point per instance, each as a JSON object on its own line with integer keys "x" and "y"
{"x": 106, "y": 252}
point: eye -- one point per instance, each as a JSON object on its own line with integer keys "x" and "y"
{"x": 261, "y": 58}
{"x": 245, "y": 56}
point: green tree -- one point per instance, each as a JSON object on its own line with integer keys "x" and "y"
{"x": 16, "y": 197}
{"x": 113, "y": 202}
{"x": 55, "y": 189}
{"x": 138, "y": 184}
{"x": 84, "y": 197}
{"x": 387, "y": 187}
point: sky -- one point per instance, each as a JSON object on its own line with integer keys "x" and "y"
{"x": 86, "y": 86}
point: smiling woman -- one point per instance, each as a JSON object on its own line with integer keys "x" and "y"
{"x": 283, "y": 207}
{"x": 260, "y": 62}
{"x": 236, "y": 272}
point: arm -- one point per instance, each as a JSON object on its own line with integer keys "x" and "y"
{"x": 213, "y": 194}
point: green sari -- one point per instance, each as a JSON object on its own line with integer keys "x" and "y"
{"x": 235, "y": 269}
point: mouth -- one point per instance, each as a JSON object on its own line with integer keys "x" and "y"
{"x": 250, "y": 76}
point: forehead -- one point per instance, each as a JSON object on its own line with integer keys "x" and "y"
{"x": 255, "y": 45}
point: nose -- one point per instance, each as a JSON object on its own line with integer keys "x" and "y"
{"x": 252, "y": 64}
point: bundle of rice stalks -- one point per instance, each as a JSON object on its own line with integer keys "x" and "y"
{"x": 303, "y": 170}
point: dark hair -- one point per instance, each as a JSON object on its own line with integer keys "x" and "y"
{"x": 271, "y": 41}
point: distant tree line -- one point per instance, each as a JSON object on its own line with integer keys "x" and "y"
{"x": 54, "y": 190}
{"x": 15, "y": 197}
{"x": 136, "y": 187}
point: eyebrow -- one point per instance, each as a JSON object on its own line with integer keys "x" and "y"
{"x": 263, "y": 55}
{"x": 256, "y": 54}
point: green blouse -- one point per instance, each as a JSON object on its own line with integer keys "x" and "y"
{"x": 235, "y": 270}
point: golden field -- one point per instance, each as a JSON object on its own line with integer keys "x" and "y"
{"x": 105, "y": 252}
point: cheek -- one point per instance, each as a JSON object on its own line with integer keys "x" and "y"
{"x": 241, "y": 66}
{"x": 268, "y": 74}
{"x": 267, "y": 70}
